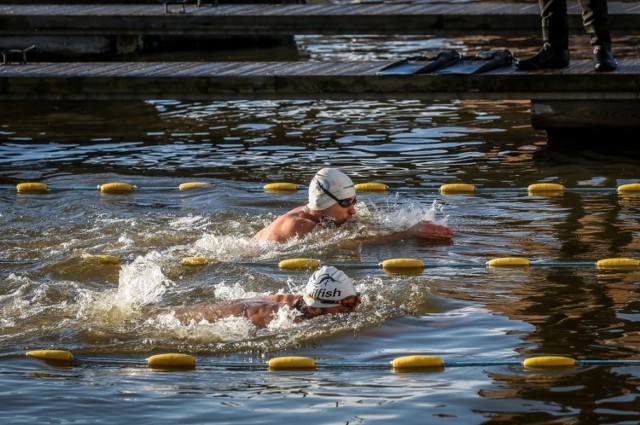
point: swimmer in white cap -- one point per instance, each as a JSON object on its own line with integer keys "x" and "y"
{"x": 328, "y": 291}
{"x": 332, "y": 196}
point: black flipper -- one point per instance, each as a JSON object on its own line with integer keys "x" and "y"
{"x": 494, "y": 59}
{"x": 422, "y": 64}
{"x": 484, "y": 61}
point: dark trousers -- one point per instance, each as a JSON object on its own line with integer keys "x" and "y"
{"x": 555, "y": 22}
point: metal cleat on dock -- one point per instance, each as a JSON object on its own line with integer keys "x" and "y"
{"x": 7, "y": 53}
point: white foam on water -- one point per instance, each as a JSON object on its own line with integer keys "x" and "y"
{"x": 226, "y": 247}
{"x": 142, "y": 282}
{"x": 226, "y": 329}
{"x": 189, "y": 222}
{"x": 398, "y": 216}
{"x": 225, "y": 292}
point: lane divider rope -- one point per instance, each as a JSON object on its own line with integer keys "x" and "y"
{"x": 113, "y": 187}
{"x": 392, "y": 265}
{"x": 469, "y": 189}
{"x": 398, "y": 264}
{"x": 445, "y": 189}
{"x": 400, "y": 364}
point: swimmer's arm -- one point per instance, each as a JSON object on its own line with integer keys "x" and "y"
{"x": 421, "y": 230}
{"x": 428, "y": 230}
{"x": 289, "y": 299}
{"x": 262, "y": 315}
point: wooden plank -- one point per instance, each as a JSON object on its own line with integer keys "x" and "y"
{"x": 289, "y": 19}
{"x": 306, "y": 80}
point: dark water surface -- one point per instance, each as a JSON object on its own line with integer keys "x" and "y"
{"x": 54, "y": 292}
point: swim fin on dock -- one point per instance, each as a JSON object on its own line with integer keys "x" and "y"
{"x": 484, "y": 61}
{"x": 423, "y": 64}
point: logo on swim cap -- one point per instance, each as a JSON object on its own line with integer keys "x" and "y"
{"x": 327, "y": 286}
{"x": 333, "y": 181}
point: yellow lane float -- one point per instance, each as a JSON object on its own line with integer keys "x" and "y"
{"x": 509, "y": 262}
{"x": 172, "y": 360}
{"x": 617, "y": 263}
{"x": 416, "y": 361}
{"x": 545, "y": 188}
{"x": 371, "y": 187}
{"x": 31, "y": 187}
{"x": 629, "y": 188}
{"x": 402, "y": 266}
{"x": 55, "y": 355}
{"x": 299, "y": 264}
{"x": 197, "y": 261}
{"x": 549, "y": 361}
{"x": 402, "y": 263}
{"x": 192, "y": 185}
{"x": 457, "y": 189}
{"x": 280, "y": 186}
{"x": 116, "y": 187}
{"x": 291, "y": 362}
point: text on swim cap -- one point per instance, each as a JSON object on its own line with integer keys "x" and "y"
{"x": 320, "y": 293}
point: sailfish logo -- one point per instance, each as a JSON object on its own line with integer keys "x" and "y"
{"x": 320, "y": 188}
{"x": 320, "y": 290}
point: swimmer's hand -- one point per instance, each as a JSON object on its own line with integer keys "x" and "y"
{"x": 428, "y": 230}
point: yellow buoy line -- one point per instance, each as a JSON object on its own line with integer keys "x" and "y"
{"x": 397, "y": 265}
{"x": 470, "y": 189}
{"x": 399, "y": 364}
{"x": 113, "y": 187}
{"x": 537, "y": 189}
{"x": 445, "y": 189}
{"x": 416, "y": 263}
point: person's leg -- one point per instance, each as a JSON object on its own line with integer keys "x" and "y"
{"x": 555, "y": 37}
{"x": 595, "y": 18}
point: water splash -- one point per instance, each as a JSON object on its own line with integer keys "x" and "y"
{"x": 398, "y": 215}
{"x": 382, "y": 299}
{"x": 227, "y": 247}
{"x": 142, "y": 282}
{"x": 231, "y": 243}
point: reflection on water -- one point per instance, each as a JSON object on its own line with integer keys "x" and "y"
{"x": 55, "y": 292}
{"x": 250, "y": 139}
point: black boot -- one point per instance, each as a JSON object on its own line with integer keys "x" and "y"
{"x": 546, "y": 58}
{"x": 603, "y": 58}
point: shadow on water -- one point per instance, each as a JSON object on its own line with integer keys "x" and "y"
{"x": 607, "y": 139}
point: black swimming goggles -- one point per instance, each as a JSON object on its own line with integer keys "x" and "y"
{"x": 344, "y": 203}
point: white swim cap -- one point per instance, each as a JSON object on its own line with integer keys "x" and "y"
{"x": 334, "y": 181}
{"x": 327, "y": 286}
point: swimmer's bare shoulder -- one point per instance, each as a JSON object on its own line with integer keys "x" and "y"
{"x": 295, "y": 223}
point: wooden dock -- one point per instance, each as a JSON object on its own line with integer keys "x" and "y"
{"x": 408, "y": 18}
{"x": 305, "y": 80}
{"x": 576, "y": 97}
